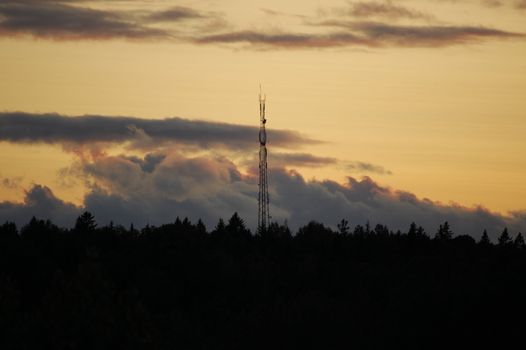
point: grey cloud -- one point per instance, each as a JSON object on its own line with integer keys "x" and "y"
{"x": 365, "y": 167}
{"x": 364, "y": 200}
{"x": 384, "y": 9}
{"x": 41, "y": 202}
{"x": 213, "y": 187}
{"x": 209, "y": 188}
{"x": 175, "y": 14}
{"x": 381, "y": 34}
{"x": 368, "y": 34}
{"x": 149, "y": 162}
{"x": 73, "y": 20}
{"x": 282, "y": 39}
{"x": 282, "y": 160}
{"x": 55, "y": 128}
{"x": 200, "y": 187}
{"x": 175, "y": 176}
{"x": 61, "y": 21}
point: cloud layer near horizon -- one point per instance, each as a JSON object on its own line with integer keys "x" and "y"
{"x": 158, "y": 188}
{"x": 167, "y": 180}
{"x": 360, "y": 24}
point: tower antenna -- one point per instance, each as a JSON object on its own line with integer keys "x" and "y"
{"x": 263, "y": 200}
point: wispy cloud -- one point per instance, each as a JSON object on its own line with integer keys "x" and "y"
{"x": 275, "y": 13}
{"x": 283, "y": 160}
{"x": 369, "y": 34}
{"x": 11, "y": 182}
{"x": 385, "y": 9}
{"x": 365, "y": 167}
{"x": 282, "y": 40}
{"x": 381, "y": 34}
{"x": 175, "y": 14}
{"x": 74, "y": 20}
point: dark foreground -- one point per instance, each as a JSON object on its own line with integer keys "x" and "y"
{"x": 179, "y": 287}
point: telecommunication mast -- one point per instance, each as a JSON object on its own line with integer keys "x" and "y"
{"x": 263, "y": 200}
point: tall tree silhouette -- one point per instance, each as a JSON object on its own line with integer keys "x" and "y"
{"x": 236, "y": 226}
{"x": 519, "y": 241}
{"x": 444, "y": 232}
{"x": 484, "y": 240}
{"x": 8, "y": 230}
{"x": 85, "y": 222}
{"x": 504, "y": 238}
{"x": 412, "y": 230}
{"x": 39, "y": 229}
{"x": 343, "y": 227}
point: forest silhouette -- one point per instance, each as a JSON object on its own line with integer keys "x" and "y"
{"x": 181, "y": 286}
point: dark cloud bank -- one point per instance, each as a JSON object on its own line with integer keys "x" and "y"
{"x": 61, "y": 21}
{"x": 55, "y": 129}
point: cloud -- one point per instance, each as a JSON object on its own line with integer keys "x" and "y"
{"x": 10, "y": 182}
{"x": 141, "y": 133}
{"x": 74, "y": 20}
{"x": 41, "y": 202}
{"x": 208, "y": 187}
{"x": 383, "y": 9}
{"x": 274, "y": 13}
{"x": 358, "y": 166}
{"x": 368, "y": 34}
{"x": 518, "y": 4}
{"x": 61, "y": 21}
{"x": 287, "y": 160}
{"x": 175, "y": 14}
{"x": 149, "y": 162}
{"x": 492, "y": 3}
{"x": 282, "y": 39}
{"x": 381, "y": 34}
{"x": 364, "y": 200}
{"x": 300, "y": 159}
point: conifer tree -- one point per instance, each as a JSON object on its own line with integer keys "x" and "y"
{"x": 485, "y": 238}
{"x": 444, "y": 232}
{"x": 85, "y": 222}
{"x": 519, "y": 241}
{"x": 504, "y": 238}
{"x": 412, "y": 230}
{"x": 343, "y": 227}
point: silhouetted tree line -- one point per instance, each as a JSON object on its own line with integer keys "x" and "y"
{"x": 179, "y": 286}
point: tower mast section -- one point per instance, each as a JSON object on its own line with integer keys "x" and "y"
{"x": 263, "y": 199}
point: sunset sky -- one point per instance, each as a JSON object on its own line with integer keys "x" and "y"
{"x": 387, "y": 111}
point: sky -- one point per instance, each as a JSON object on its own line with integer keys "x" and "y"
{"x": 381, "y": 111}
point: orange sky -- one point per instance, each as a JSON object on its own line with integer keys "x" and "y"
{"x": 445, "y": 118}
